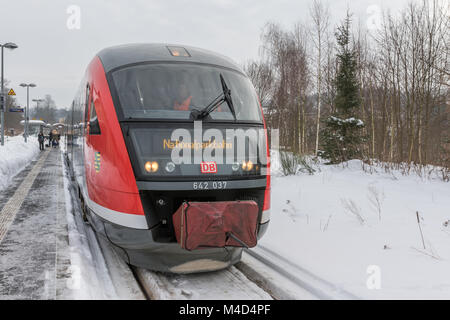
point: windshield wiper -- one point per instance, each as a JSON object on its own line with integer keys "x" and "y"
{"x": 225, "y": 96}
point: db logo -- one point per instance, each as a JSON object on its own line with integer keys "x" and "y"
{"x": 208, "y": 167}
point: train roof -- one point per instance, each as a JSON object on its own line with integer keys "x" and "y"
{"x": 118, "y": 56}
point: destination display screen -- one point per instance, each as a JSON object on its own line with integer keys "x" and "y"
{"x": 183, "y": 151}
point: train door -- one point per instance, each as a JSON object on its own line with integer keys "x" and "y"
{"x": 85, "y": 103}
{"x": 93, "y": 156}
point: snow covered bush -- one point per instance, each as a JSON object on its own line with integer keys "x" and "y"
{"x": 289, "y": 163}
{"x": 341, "y": 139}
{"x": 292, "y": 163}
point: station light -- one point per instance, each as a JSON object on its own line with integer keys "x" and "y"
{"x": 10, "y": 45}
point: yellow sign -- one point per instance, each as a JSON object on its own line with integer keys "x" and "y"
{"x": 11, "y": 92}
{"x": 169, "y": 144}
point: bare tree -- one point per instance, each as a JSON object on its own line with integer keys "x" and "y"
{"x": 261, "y": 75}
{"x": 414, "y": 50}
{"x": 403, "y": 75}
{"x": 285, "y": 52}
{"x": 320, "y": 18}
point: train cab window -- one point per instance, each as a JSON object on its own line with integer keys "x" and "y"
{"x": 94, "y": 126}
{"x": 173, "y": 90}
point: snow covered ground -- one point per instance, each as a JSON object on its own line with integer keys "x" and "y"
{"x": 355, "y": 229}
{"x": 15, "y": 155}
{"x": 360, "y": 231}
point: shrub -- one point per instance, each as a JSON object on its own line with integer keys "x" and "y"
{"x": 291, "y": 163}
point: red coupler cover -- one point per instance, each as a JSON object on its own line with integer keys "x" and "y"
{"x": 216, "y": 224}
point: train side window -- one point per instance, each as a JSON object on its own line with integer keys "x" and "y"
{"x": 94, "y": 126}
{"x": 86, "y": 106}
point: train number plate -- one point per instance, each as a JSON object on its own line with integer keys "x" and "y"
{"x": 209, "y": 185}
{"x": 208, "y": 167}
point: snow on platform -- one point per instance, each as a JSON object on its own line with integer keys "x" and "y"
{"x": 34, "y": 250}
{"x": 46, "y": 250}
{"x": 15, "y": 155}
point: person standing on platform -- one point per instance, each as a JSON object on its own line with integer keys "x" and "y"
{"x": 50, "y": 136}
{"x": 41, "y": 140}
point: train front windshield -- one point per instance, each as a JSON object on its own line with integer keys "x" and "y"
{"x": 173, "y": 90}
{"x": 170, "y": 91}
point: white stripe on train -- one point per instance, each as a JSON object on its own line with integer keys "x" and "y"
{"x": 134, "y": 220}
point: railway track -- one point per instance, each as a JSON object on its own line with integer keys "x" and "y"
{"x": 227, "y": 284}
{"x": 287, "y": 280}
{"x": 262, "y": 274}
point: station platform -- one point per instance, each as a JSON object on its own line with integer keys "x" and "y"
{"x": 34, "y": 244}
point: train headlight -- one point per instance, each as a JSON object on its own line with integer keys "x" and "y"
{"x": 235, "y": 166}
{"x": 247, "y": 165}
{"x": 170, "y": 166}
{"x": 151, "y": 166}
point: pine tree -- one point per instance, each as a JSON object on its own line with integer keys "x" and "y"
{"x": 341, "y": 135}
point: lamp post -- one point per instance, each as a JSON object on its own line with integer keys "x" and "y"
{"x": 8, "y": 45}
{"x": 32, "y": 85}
{"x": 37, "y": 104}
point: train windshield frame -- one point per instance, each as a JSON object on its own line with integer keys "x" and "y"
{"x": 170, "y": 91}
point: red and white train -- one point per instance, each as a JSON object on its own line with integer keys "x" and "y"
{"x": 120, "y": 148}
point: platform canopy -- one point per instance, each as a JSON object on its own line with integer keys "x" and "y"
{"x": 33, "y": 122}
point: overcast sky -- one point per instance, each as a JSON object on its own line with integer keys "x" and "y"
{"x": 55, "y": 57}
